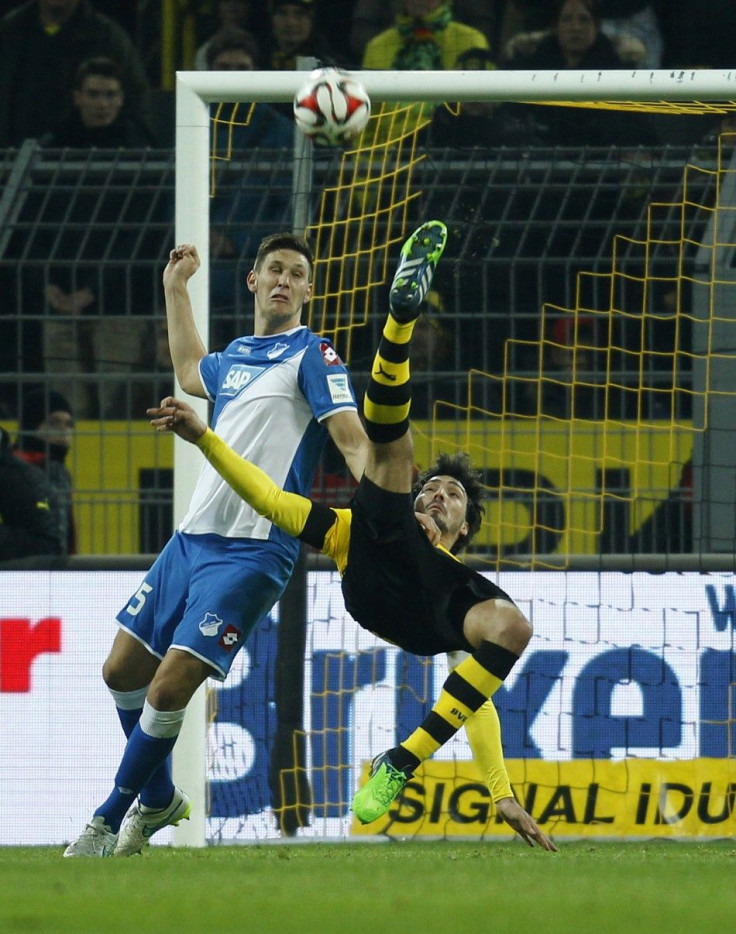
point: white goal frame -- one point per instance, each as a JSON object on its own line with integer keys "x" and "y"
{"x": 196, "y": 90}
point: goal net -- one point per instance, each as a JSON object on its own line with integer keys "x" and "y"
{"x": 595, "y": 399}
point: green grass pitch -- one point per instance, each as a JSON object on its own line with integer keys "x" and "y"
{"x": 346, "y": 888}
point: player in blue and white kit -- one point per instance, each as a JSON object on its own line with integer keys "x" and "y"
{"x": 276, "y": 395}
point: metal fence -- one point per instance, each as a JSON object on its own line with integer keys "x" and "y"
{"x": 84, "y": 237}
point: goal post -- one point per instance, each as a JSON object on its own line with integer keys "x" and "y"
{"x": 705, "y": 90}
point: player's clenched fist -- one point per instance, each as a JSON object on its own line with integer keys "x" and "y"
{"x": 183, "y": 262}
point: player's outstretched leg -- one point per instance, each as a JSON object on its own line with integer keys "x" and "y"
{"x": 384, "y": 786}
{"x": 388, "y": 394}
{"x": 417, "y": 263}
{"x": 141, "y": 823}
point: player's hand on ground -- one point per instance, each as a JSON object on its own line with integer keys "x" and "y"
{"x": 175, "y": 415}
{"x": 518, "y": 819}
{"x": 183, "y": 262}
{"x": 431, "y": 529}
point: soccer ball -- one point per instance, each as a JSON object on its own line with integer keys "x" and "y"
{"x": 332, "y": 107}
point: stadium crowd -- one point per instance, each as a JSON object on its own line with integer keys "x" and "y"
{"x": 44, "y": 42}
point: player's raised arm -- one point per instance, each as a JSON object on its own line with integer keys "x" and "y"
{"x": 185, "y": 344}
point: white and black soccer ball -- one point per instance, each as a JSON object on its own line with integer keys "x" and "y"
{"x": 332, "y": 107}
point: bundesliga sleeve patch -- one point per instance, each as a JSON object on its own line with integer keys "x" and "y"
{"x": 339, "y": 388}
{"x": 329, "y": 354}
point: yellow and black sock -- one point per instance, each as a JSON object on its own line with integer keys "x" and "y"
{"x": 465, "y": 690}
{"x": 388, "y": 396}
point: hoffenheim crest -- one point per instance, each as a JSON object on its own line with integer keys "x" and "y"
{"x": 210, "y": 624}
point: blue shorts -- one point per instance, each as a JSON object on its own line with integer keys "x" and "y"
{"x": 204, "y": 594}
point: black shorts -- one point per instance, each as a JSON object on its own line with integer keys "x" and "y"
{"x": 401, "y": 587}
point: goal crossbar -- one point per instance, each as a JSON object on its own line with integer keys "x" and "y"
{"x": 614, "y": 85}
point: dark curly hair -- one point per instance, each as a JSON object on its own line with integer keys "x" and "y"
{"x": 459, "y": 466}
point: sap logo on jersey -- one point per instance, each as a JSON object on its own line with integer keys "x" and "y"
{"x": 238, "y": 376}
{"x": 339, "y": 388}
{"x": 209, "y": 624}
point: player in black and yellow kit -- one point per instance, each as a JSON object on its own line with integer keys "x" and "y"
{"x": 396, "y": 583}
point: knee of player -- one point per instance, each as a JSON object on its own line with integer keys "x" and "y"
{"x": 166, "y": 694}
{"x": 117, "y": 676}
{"x": 517, "y": 628}
{"x": 499, "y": 621}
{"x": 513, "y": 620}
{"x": 522, "y": 628}
{"x": 176, "y": 680}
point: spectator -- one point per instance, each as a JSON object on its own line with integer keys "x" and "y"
{"x": 570, "y": 366}
{"x": 42, "y": 43}
{"x": 95, "y": 302}
{"x": 95, "y": 335}
{"x": 27, "y": 525}
{"x": 229, "y": 14}
{"x": 44, "y": 439}
{"x": 519, "y": 17}
{"x": 424, "y": 37}
{"x": 154, "y": 381}
{"x": 97, "y": 118}
{"x": 576, "y": 42}
{"x": 293, "y": 34}
{"x": 569, "y": 384}
{"x": 472, "y": 124}
{"x": 232, "y": 49}
{"x": 370, "y": 17}
{"x": 237, "y": 208}
{"x": 633, "y": 27}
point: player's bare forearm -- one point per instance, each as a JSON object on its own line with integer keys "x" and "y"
{"x": 521, "y": 822}
{"x": 347, "y": 431}
{"x": 185, "y": 344}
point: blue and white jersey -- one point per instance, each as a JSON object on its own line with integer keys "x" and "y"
{"x": 270, "y": 394}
